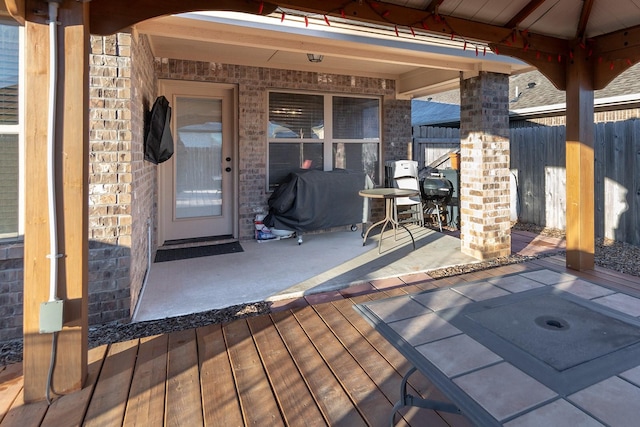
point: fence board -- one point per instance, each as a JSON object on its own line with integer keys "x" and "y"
{"x": 635, "y": 215}
{"x": 599, "y": 149}
{"x": 431, "y": 143}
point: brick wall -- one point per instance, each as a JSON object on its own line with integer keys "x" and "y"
{"x": 110, "y": 178}
{"x": 11, "y": 290}
{"x": 144, "y": 174}
{"x": 484, "y": 144}
{"x": 253, "y": 84}
{"x": 397, "y": 129}
{"x": 122, "y": 186}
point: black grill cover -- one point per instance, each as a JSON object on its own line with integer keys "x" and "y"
{"x": 315, "y": 200}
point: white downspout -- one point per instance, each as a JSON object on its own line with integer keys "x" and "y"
{"x": 51, "y": 159}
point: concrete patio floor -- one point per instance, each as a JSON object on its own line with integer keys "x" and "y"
{"x": 278, "y": 270}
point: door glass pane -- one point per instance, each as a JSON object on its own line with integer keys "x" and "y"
{"x": 198, "y": 157}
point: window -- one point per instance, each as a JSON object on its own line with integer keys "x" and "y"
{"x": 11, "y": 151}
{"x": 322, "y": 132}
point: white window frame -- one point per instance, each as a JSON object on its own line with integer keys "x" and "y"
{"x": 328, "y": 139}
{"x": 18, "y": 129}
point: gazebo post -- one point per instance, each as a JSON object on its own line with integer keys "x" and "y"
{"x": 580, "y": 163}
{"x": 71, "y": 165}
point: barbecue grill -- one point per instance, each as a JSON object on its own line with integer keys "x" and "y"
{"x": 436, "y": 192}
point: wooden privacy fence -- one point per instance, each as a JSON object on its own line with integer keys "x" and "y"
{"x": 431, "y": 144}
{"x": 538, "y": 168}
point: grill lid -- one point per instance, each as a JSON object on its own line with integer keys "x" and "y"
{"x": 435, "y": 188}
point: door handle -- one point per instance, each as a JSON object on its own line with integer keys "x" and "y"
{"x": 228, "y": 169}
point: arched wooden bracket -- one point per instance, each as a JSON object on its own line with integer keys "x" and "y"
{"x": 109, "y": 17}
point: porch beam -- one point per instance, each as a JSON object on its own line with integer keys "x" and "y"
{"x": 580, "y": 165}
{"x": 71, "y": 163}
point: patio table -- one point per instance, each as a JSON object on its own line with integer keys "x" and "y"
{"x": 389, "y": 195}
{"x": 526, "y": 353}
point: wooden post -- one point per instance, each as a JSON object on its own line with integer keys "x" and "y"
{"x": 72, "y": 199}
{"x": 580, "y": 164}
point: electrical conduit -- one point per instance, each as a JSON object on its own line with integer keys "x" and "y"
{"x": 51, "y": 181}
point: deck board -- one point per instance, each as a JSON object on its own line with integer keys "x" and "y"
{"x": 332, "y": 399}
{"x": 385, "y": 378}
{"x": 259, "y": 405}
{"x": 383, "y": 374}
{"x": 417, "y": 382}
{"x": 146, "y": 396}
{"x": 21, "y": 415}
{"x": 108, "y": 403}
{"x": 295, "y": 400}
{"x": 367, "y": 397}
{"x": 183, "y": 400}
{"x": 69, "y": 410}
{"x": 220, "y": 404}
{"x": 12, "y": 383}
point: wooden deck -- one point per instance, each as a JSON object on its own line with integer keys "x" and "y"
{"x": 307, "y": 364}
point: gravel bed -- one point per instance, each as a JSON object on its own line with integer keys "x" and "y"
{"x": 613, "y": 255}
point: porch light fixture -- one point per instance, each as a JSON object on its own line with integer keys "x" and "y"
{"x": 315, "y": 58}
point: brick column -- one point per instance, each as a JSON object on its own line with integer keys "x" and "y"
{"x": 484, "y": 173}
{"x": 396, "y": 132}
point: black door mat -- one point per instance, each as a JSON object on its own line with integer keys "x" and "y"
{"x": 163, "y": 255}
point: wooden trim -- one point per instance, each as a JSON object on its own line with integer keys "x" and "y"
{"x": 108, "y": 17}
{"x": 524, "y": 12}
{"x": 36, "y": 240}
{"x": 72, "y": 150}
{"x": 16, "y": 9}
{"x": 584, "y": 18}
{"x": 552, "y": 69}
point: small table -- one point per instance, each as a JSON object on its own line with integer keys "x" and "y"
{"x": 519, "y": 348}
{"x": 389, "y": 195}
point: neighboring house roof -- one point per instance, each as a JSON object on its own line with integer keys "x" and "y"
{"x": 530, "y": 94}
{"x": 424, "y": 113}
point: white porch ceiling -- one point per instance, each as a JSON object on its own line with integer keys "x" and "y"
{"x": 421, "y": 65}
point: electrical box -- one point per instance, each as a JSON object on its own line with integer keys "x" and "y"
{"x": 51, "y": 316}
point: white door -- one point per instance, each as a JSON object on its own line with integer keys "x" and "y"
{"x": 196, "y": 186}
